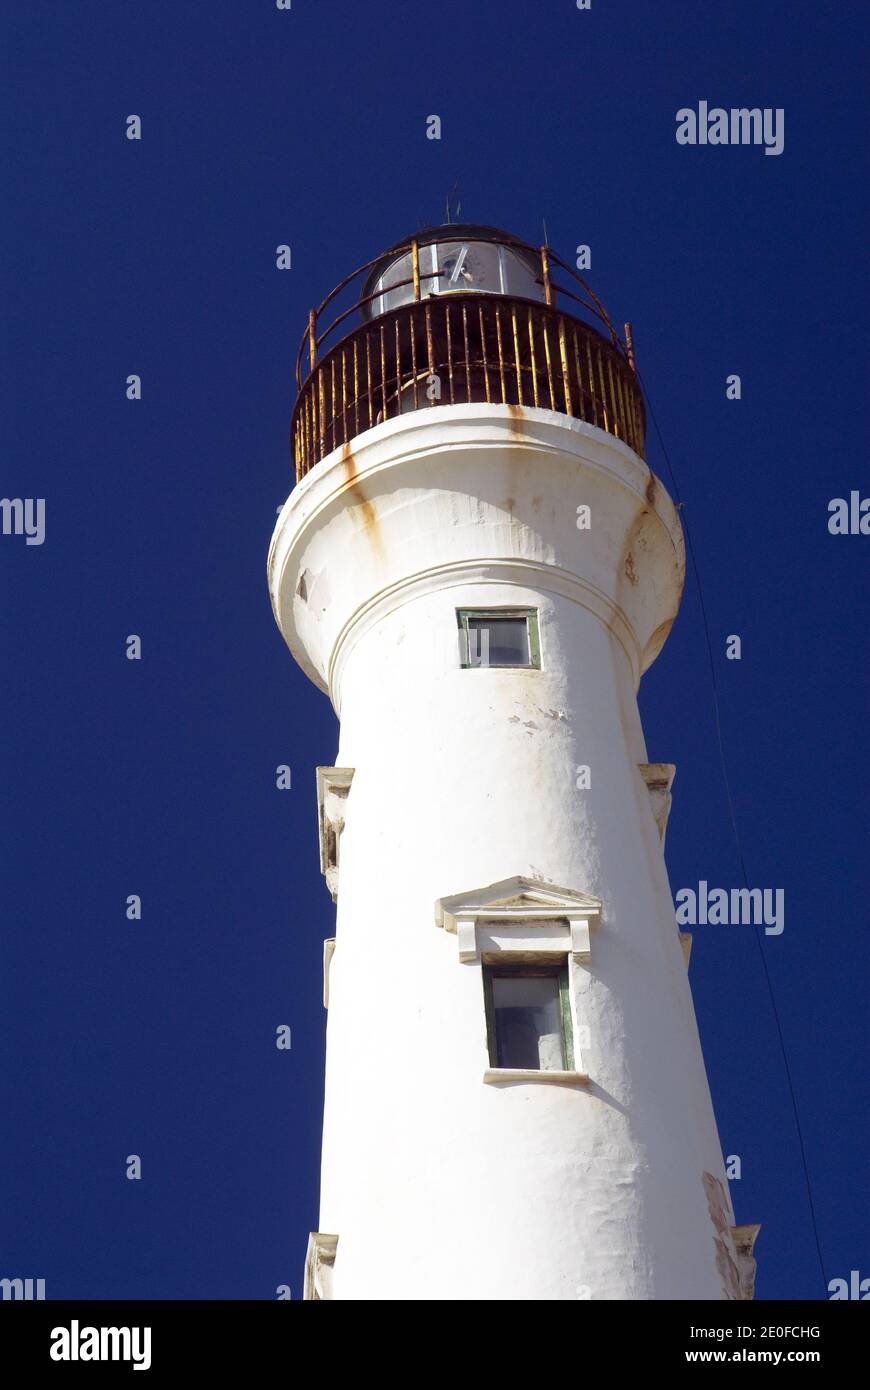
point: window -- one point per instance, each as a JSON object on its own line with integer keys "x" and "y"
{"x": 499, "y": 637}
{"x": 528, "y": 1017}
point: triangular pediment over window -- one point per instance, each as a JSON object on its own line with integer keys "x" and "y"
{"x": 515, "y": 897}
{"x": 519, "y": 902}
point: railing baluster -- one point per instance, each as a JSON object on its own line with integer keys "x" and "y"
{"x": 533, "y": 360}
{"x": 332, "y": 403}
{"x": 629, "y": 347}
{"x": 343, "y": 398}
{"x": 369, "y": 373}
{"x": 563, "y": 355}
{"x": 483, "y": 354}
{"x": 601, "y": 377}
{"x": 621, "y": 401}
{"x": 310, "y": 398}
{"x": 413, "y": 356}
{"x": 398, "y": 369}
{"x": 517, "y": 354}
{"x": 383, "y": 372}
{"x": 545, "y": 328}
{"x": 628, "y": 423}
{"x": 449, "y": 354}
{"x": 613, "y": 406}
{"x": 356, "y": 386}
{"x": 500, "y": 353}
{"x": 312, "y": 339}
{"x": 582, "y": 407}
{"x": 465, "y": 344}
{"x": 593, "y": 390}
{"x": 624, "y": 407}
{"x": 321, "y": 412}
{"x": 415, "y": 268}
{"x": 430, "y": 356}
{"x": 545, "y": 275}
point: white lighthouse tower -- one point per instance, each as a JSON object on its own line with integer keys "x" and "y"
{"x": 477, "y": 566}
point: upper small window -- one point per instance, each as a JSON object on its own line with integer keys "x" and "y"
{"x": 528, "y": 1017}
{"x": 499, "y": 637}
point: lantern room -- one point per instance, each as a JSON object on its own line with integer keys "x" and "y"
{"x": 453, "y": 315}
{"x": 453, "y": 259}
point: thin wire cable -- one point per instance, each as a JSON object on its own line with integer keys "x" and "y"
{"x": 733, "y": 816}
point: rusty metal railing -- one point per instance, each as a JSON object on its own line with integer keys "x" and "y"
{"x": 465, "y": 347}
{"x": 317, "y": 332}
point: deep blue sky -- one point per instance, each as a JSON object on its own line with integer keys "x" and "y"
{"x": 262, "y": 127}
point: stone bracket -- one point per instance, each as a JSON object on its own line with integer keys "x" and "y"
{"x": 659, "y": 778}
{"x": 319, "y": 1264}
{"x": 333, "y": 787}
{"x": 328, "y": 953}
{"x": 744, "y": 1238}
{"x": 733, "y": 1244}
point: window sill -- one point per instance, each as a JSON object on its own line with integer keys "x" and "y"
{"x": 493, "y": 1075}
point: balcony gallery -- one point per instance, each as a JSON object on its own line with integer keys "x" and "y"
{"x": 474, "y": 316}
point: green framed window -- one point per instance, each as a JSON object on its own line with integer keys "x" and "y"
{"x": 499, "y": 637}
{"x": 528, "y": 1016}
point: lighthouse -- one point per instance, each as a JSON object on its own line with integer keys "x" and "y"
{"x": 477, "y": 566}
